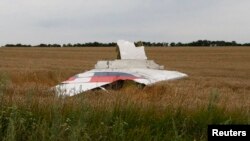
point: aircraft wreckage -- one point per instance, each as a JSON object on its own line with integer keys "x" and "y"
{"x": 132, "y": 65}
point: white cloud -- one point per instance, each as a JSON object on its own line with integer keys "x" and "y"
{"x": 63, "y": 21}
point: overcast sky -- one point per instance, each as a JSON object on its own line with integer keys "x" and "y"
{"x": 64, "y": 21}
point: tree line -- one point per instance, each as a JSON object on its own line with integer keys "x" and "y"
{"x": 199, "y": 43}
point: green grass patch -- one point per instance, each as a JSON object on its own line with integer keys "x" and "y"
{"x": 62, "y": 121}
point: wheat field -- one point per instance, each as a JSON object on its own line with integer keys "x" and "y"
{"x": 217, "y": 91}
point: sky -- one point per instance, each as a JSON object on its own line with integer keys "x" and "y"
{"x": 79, "y": 21}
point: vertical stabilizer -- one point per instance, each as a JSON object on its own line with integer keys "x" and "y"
{"x": 128, "y": 50}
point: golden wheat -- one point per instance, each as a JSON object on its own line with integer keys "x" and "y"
{"x": 225, "y": 71}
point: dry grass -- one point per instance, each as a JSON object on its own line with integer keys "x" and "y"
{"x": 224, "y": 70}
{"x": 220, "y": 75}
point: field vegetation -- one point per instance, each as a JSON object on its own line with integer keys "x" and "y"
{"x": 217, "y": 91}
